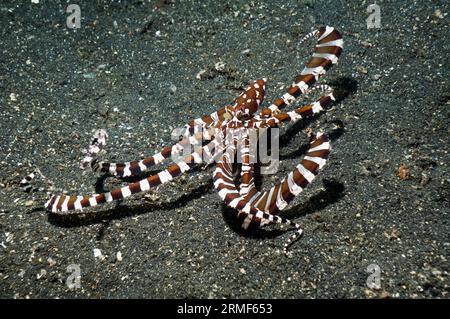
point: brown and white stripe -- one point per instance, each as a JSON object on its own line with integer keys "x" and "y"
{"x": 134, "y": 168}
{"x": 326, "y": 53}
{"x": 63, "y": 203}
{"x": 303, "y": 112}
{"x": 261, "y": 206}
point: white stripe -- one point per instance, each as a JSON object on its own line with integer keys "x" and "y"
{"x": 306, "y": 174}
{"x": 328, "y": 30}
{"x": 294, "y": 115}
{"x": 316, "y": 108}
{"x": 144, "y": 184}
{"x": 259, "y": 214}
{"x": 287, "y": 98}
{"x": 197, "y": 158}
{"x": 193, "y": 140}
{"x": 108, "y": 197}
{"x": 273, "y": 107}
{"x": 318, "y": 160}
{"x": 77, "y": 203}
{"x": 64, "y": 204}
{"x": 218, "y": 182}
{"x": 316, "y": 71}
{"x": 234, "y": 202}
{"x": 142, "y": 166}
{"x": 199, "y": 121}
{"x": 337, "y": 43}
{"x": 112, "y": 168}
{"x": 323, "y": 146}
{"x": 224, "y": 192}
{"x": 252, "y": 199}
{"x": 215, "y": 116}
{"x": 327, "y": 56}
{"x": 126, "y": 170}
{"x": 55, "y": 204}
{"x": 183, "y": 166}
{"x": 245, "y": 150}
{"x": 293, "y": 187}
{"x": 302, "y": 86}
{"x": 246, "y": 209}
{"x": 126, "y": 192}
{"x": 269, "y": 199}
{"x": 92, "y": 201}
{"x": 165, "y": 176}
{"x": 281, "y": 203}
{"x": 158, "y": 158}
{"x": 247, "y": 221}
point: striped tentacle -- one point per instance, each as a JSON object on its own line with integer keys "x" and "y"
{"x": 97, "y": 144}
{"x": 293, "y": 116}
{"x": 326, "y": 53}
{"x": 134, "y": 168}
{"x": 280, "y": 195}
{"x": 206, "y": 121}
{"x": 25, "y": 183}
{"x": 228, "y": 192}
{"x": 247, "y": 161}
{"x": 63, "y": 203}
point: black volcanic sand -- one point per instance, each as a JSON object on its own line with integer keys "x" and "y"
{"x": 132, "y": 69}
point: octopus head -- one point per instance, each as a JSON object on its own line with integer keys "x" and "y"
{"x": 248, "y": 102}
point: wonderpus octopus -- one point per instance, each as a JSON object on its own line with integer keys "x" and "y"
{"x": 224, "y": 136}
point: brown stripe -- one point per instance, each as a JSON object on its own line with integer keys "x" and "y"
{"x": 52, "y": 201}
{"x": 305, "y": 111}
{"x": 71, "y": 203}
{"x": 60, "y": 202}
{"x": 315, "y": 62}
{"x": 229, "y": 197}
{"x": 283, "y": 117}
{"x": 309, "y": 79}
{"x": 240, "y": 205}
{"x": 174, "y": 170}
{"x": 321, "y": 31}
{"x": 299, "y": 179}
{"x": 325, "y": 101}
{"x": 149, "y": 161}
{"x": 154, "y": 180}
{"x": 330, "y": 49}
{"x": 310, "y": 166}
{"x": 285, "y": 192}
{"x": 331, "y": 37}
{"x": 85, "y": 202}
{"x": 116, "y": 194}
{"x": 134, "y": 168}
{"x": 319, "y": 141}
{"x": 250, "y": 194}
{"x": 135, "y": 188}
{"x": 100, "y": 198}
{"x": 279, "y": 102}
{"x": 263, "y": 201}
{"x": 294, "y": 91}
{"x": 166, "y": 152}
{"x": 273, "y": 200}
{"x": 119, "y": 169}
{"x": 326, "y": 64}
